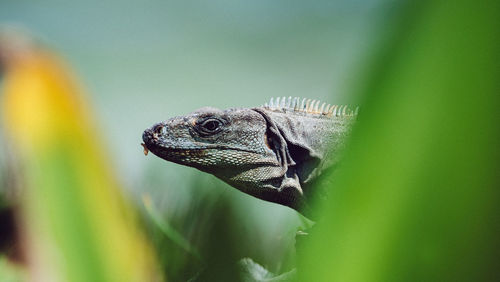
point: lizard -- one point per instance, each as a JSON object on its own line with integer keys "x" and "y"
{"x": 273, "y": 152}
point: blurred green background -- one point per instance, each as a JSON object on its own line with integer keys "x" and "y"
{"x": 146, "y": 61}
{"x": 417, "y": 200}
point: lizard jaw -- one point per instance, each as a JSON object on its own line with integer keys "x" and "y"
{"x": 197, "y": 156}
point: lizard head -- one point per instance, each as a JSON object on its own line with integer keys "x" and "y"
{"x": 231, "y": 144}
{"x": 243, "y": 147}
{"x": 274, "y": 152}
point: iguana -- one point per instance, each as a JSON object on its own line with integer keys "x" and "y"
{"x": 273, "y": 152}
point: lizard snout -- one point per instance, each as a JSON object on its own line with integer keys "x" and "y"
{"x": 147, "y": 136}
{"x": 153, "y": 134}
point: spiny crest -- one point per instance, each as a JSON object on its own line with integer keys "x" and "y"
{"x": 308, "y": 106}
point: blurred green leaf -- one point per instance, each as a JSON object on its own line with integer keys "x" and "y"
{"x": 417, "y": 197}
{"x": 10, "y": 272}
{"x": 167, "y": 229}
{"x": 75, "y": 223}
{"x": 254, "y": 272}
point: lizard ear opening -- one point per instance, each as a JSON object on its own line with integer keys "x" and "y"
{"x": 306, "y": 162}
{"x": 267, "y": 141}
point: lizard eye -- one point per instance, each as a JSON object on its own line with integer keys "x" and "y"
{"x": 211, "y": 126}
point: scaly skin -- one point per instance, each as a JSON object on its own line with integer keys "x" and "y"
{"x": 272, "y": 152}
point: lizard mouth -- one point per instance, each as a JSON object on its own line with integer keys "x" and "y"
{"x": 153, "y": 142}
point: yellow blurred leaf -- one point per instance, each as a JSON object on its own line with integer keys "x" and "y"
{"x": 78, "y": 226}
